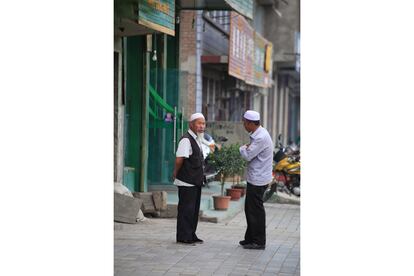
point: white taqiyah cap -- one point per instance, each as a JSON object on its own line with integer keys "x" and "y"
{"x": 196, "y": 116}
{"x": 252, "y": 115}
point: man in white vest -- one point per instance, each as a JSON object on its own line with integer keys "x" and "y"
{"x": 188, "y": 175}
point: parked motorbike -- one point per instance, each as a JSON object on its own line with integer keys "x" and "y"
{"x": 286, "y": 170}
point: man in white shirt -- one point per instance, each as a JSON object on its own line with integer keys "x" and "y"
{"x": 188, "y": 175}
{"x": 259, "y": 154}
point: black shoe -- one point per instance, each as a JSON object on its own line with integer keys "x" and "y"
{"x": 187, "y": 242}
{"x": 197, "y": 240}
{"x": 254, "y": 246}
{"x": 243, "y": 242}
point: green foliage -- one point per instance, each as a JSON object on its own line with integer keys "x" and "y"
{"x": 227, "y": 162}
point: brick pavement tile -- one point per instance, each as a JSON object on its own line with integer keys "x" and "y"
{"x": 139, "y": 271}
{"x": 291, "y": 263}
{"x": 191, "y": 270}
{"x": 290, "y": 270}
{"x": 125, "y": 265}
{"x": 257, "y": 267}
{"x": 176, "y": 270}
{"x": 157, "y": 270}
{"x": 156, "y": 273}
{"x": 146, "y": 266}
{"x": 274, "y": 265}
{"x": 163, "y": 267}
{"x": 221, "y": 270}
{"x": 206, "y": 273}
{"x": 124, "y": 272}
{"x": 272, "y": 270}
{"x": 253, "y": 273}
{"x": 240, "y": 269}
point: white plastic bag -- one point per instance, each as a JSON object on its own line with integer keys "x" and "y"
{"x": 123, "y": 190}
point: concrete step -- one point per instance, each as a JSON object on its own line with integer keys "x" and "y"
{"x": 207, "y": 205}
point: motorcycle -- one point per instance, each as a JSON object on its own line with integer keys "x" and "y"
{"x": 286, "y": 171}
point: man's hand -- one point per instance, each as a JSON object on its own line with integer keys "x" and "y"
{"x": 178, "y": 163}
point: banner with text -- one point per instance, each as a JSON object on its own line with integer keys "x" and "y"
{"x": 158, "y": 15}
{"x": 250, "y": 55}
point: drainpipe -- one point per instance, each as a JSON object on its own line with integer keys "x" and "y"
{"x": 199, "y": 95}
{"x": 164, "y": 176}
{"x": 145, "y": 118}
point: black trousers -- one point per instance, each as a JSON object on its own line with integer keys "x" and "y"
{"x": 255, "y": 214}
{"x": 188, "y": 209}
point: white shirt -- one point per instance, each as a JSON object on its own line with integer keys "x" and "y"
{"x": 184, "y": 150}
{"x": 259, "y": 156}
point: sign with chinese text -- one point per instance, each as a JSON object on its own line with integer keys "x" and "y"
{"x": 158, "y": 15}
{"x": 250, "y": 55}
{"x": 237, "y": 45}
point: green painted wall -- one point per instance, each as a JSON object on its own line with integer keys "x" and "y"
{"x": 159, "y": 160}
{"x": 164, "y": 78}
{"x": 135, "y": 47}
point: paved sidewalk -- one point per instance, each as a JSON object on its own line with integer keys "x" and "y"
{"x": 149, "y": 248}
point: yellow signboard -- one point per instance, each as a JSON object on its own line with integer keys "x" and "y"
{"x": 268, "y": 58}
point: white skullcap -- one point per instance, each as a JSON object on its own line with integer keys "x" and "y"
{"x": 196, "y": 116}
{"x": 252, "y": 115}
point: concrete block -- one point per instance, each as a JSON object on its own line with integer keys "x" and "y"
{"x": 126, "y": 208}
{"x": 147, "y": 202}
{"x": 160, "y": 200}
{"x": 170, "y": 212}
{"x": 209, "y": 219}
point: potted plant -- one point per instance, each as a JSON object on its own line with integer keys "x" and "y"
{"x": 238, "y": 169}
{"x": 227, "y": 162}
{"x": 240, "y": 186}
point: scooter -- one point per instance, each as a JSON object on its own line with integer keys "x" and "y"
{"x": 286, "y": 171}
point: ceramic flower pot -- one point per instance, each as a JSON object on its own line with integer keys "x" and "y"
{"x": 234, "y": 193}
{"x": 221, "y": 202}
{"x": 243, "y": 189}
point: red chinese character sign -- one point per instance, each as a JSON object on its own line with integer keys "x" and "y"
{"x": 237, "y": 46}
{"x": 250, "y": 55}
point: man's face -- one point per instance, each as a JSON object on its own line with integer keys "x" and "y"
{"x": 246, "y": 125}
{"x": 198, "y": 125}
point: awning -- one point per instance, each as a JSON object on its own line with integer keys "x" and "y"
{"x": 128, "y": 27}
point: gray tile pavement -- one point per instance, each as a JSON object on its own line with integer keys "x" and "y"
{"x": 149, "y": 248}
